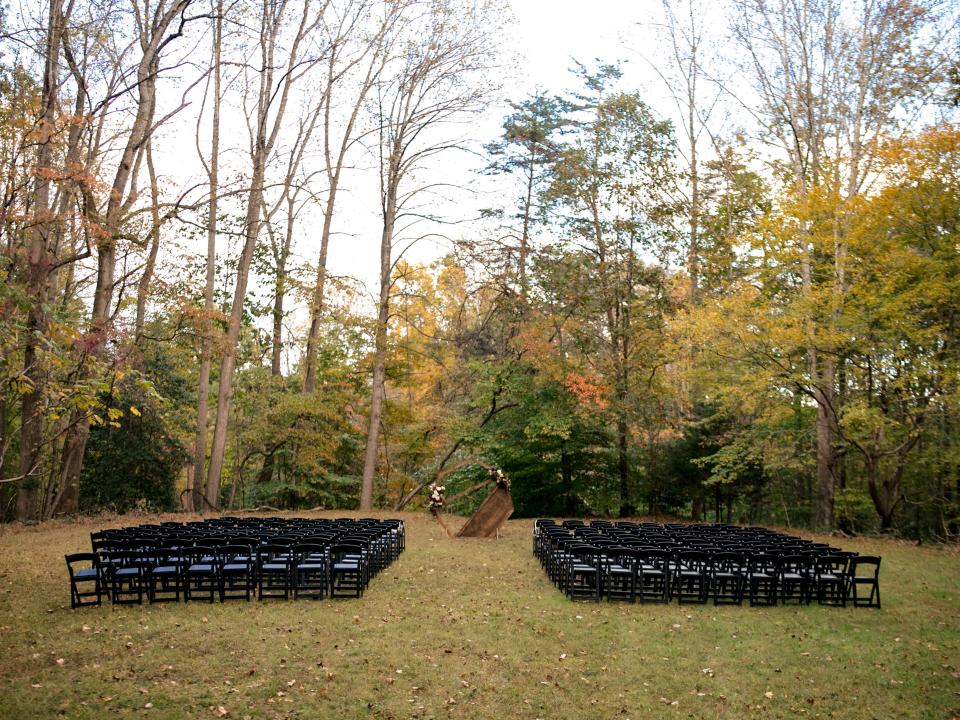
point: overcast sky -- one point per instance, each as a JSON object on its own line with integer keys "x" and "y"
{"x": 552, "y": 32}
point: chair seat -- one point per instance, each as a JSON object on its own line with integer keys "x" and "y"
{"x": 128, "y": 571}
{"x": 275, "y": 567}
{"x": 346, "y": 566}
{"x": 311, "y": 566}
{"x": 236, "y": 567}
{"x": 165, "y": 570}
{"x": 85, "y": 574}
{"x": 201, "y": 568}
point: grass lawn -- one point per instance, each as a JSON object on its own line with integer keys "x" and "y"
{"x": 472, "y": 629}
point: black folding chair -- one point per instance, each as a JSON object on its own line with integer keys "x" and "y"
{"x": 165, "y": 579}
{"x": 201, "y": 579}
{"x": 620, "y": 573}
{"x": 85, "y": 581}
{"x": 583, "y": 572}
{"x": 690, "y": 576}
{"x": 864, "y": 571}
{"x": 348, "y": 570}
{"x": 653, "y": 574}
{"x": 727, "y": 578}
{"x": 126, "y": 576}
{"x": 830, "y": 579}
{"x": 794, "y": 579}
{"x": 274, "y": 571}
{"x": 235, "y": 576}
{"x": 762, "y": 579}
{"x": 310, "y": 570}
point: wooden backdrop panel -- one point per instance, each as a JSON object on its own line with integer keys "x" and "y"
{"x": 490, "y": 516}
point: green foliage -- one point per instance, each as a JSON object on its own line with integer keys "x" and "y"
{"x": 133, "y": 459}
{"x": 326, "y": 491}
{"x": 855, "y": 512}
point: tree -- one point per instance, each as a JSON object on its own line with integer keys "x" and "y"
{"x": 276, "y": 76}
{"x": 106, "y": 218}
{"x": 527, "y": 149}
{"x": 434, "y": 80}
{"x": 39, "y": 261}
{"x": 360, "y": 61}
{"x": 606, "y": 190}
{"x": 829, "y": 82}
{"x": 195, "y": 495}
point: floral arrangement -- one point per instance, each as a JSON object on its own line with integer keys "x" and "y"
{"x": 436, "y": 497}
{"x": 499, "y": 477}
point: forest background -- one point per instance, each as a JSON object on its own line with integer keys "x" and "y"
{"x": 730, "y": 294}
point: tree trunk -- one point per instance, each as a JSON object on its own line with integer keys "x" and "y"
{"x": 696, "y": 511}
{"x": 143, "y": 287}
{"x": 39, "y": 261}
{"x": 566, "y": 480}
{"x": 826, "y": 450}
{"x": 228, "y": 362}
{"x": 316, "y": 302}
{"x": 627, "y": 508}
{"x": 280, "y": 291}
{"x": 101, "y": 320}
{"x": 264, "y": 137}
{"x": 197, "y": 491}
{"x": 380, "y": 348}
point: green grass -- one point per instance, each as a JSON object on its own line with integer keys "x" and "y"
{"x": 473, "y": 629}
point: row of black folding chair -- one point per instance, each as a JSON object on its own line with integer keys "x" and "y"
{"x": 205, "y": 558}
{"x": 695, "y": 575}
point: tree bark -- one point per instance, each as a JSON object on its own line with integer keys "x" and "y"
{"x": 334, "y": 163}
{"x": 197, "y": 490}
{"x": 264, "y": 138}
{"x": 153, "y": 248}
{"x": 39, "y": 261}
{"x": 370, "y": 455}
{"x": 151, "y": 41}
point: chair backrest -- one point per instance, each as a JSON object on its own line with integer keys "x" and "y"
{"x": 271, "y": 551}
{"x": 131, "y": 559}
{"x": 343, "y": 549}
{"x": 622, "y": 555}
{"x": 698, "y": 560}
{"x": 728, "y": 562}
{"x": 831, "y": 564}
{"x": 658, "y": 558}
{"x": 82, "y": 559}
{"x": 762, "y": 563}
{"x": 869, "y": 562}
{"x": 309, "y": 549}
{"x": 236, "y": 554}
{"x": 799, "y": 564}
{"x": 585, "y": 553}
{"x": 200, "y": 551}
{"x": 169, "y": 556}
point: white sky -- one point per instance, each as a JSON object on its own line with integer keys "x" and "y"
{"x": 547, "y": 36}
{"x": 553, "y": 32}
